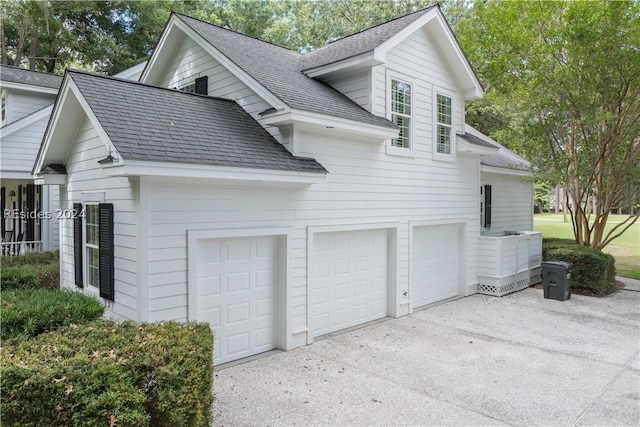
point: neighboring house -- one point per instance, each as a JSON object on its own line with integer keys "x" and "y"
{"x": 29, "y": 211}
{"x": 288, "y": 196}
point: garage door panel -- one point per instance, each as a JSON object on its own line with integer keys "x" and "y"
{"x": 237, "y": 294}
{"x": 434, "y": 266}
{"x": 349, "y": 283}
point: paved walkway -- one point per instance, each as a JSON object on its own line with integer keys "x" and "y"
{"x": 481, "y": 360}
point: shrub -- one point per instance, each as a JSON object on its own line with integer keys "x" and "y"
{"x": 105, "y": 373}
{"x": 18, "y": 277}
{"x": 593, "y": 271}
{"x": 27, "y": 313}
{"x": 34, "y": 258}
{"x": 48, "y": 275}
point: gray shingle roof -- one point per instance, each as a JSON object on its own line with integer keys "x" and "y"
{"x": 505, "y": 158}
{"x": 29, "y": 77}
{"x": 359, "y": 43}
{"x": 155, "y": 124}
{"x": 279, "y": 70}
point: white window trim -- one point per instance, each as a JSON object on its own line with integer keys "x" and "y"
{"x": 4, "y": 95}
{"x": 186, "y": 85}
{"x": 89, "y": 199}
{"x": 452, "y": 154}
{"x": 390, "y": 149}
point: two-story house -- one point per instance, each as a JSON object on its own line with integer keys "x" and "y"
{"x": 28, "y": 210}
{"x": 279, "y": 196}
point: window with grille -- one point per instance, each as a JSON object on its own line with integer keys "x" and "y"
{"x": 444, "y": 113}
{"x": 401, "y": 111}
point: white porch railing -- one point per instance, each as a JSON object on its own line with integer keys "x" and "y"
{"x": 509, "y": 263}
{"x": 20, "y": 248}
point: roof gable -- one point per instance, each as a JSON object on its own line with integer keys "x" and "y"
{"x": 147, "y": 123}
{"x": 274, "y": 69}
{"x": 372, "y": 45}
{"x": 359, "y": 43}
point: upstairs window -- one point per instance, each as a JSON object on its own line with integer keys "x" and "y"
{"x": 200, "y": 86}
{"x": 190, "y": 88}
{"x": 401, "y": 110}
{"x": 443, "y": 108}
{"x": 3, "y": 104}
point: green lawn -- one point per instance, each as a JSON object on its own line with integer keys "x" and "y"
{"x": 625, "y": 249}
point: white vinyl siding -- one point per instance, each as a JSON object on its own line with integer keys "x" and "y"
{"x": 22, "y": 104}
{"x": 356, "y": 86}
{"x": 19, "y": 149}
{"x": 84, "y": 176}
{"x": 511, "y": 202}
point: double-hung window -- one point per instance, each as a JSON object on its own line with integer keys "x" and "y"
{"x": 443, "y": 118}
{"x": 401, "y": 112}
{"x": 3, "y": 111}
{"x": 92, "y": 245}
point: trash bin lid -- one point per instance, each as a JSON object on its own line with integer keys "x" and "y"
{"x": 557, "y": 264}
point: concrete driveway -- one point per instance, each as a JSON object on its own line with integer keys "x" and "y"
{"x": 481, "y": 360}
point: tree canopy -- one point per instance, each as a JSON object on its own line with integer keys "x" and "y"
{"x": 563, "y": 86}
{"x": 111, "y": 35}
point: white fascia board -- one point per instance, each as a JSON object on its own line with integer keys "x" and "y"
{"x": 54, "y": 118}
{"x": 452, "y": 52}
{"x": 68, "y": 86}
{"x": 505, "y": 171}
{"x": 26, "y": 121}
{"x": 153, "y": 60}
{"x": 364, "y": 60}
{"x": 465, "y": 147}
{"x": 330, "y": 123}
{"x": 187, "y": 170}
{"x": 51, "y": 179}
{"x": 28, "y": 88}
{"x": 15, "y": 175}
{"x": 247, "y": 79}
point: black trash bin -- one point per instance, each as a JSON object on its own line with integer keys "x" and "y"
{"x": 556, "y": 280}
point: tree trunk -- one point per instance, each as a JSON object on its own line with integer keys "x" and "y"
{"x": 33, "y": 51}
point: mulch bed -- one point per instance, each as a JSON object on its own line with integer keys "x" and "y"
{"x": 588, "y": 292}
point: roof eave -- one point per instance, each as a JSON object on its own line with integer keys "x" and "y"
{"x": 329, "y": 123}
{"x": 463, "y": 146}
{"x": 505, "y": 171}
{"x": 347, "y": 65}
{"x": 28, "y": 87}
{"x": 211, "y": 172}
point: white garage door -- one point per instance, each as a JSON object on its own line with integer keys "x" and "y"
{"x": 349, "y": 284}
{"x": 434, "y": 266}
{"x": 237, "y": 294}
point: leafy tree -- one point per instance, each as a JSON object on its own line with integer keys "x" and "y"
{"x": 563, "y": 81}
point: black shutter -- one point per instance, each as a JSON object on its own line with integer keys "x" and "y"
{"x": 487, "y": 206}
{"x": 17, "y": 222}
{"x": 77, "y": 245}
{"x": 4, "y": 206}
{"x": 105, "y": 244}
{"x": 202, "y": 85}
{"x": 31, "y": 209}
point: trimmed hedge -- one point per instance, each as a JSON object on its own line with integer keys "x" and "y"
{"x": 109, "y": 373}
{"x": 593, "y": 270}
{"x": 19, "y": 277}
{"x": 30, "y": 271}
{"x": 30, "y": 312}
{"x": 34, "y": 258}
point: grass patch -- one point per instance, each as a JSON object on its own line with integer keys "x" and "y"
{"x": 625, "y": 249}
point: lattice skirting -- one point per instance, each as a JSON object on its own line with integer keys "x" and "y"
{"x": 499, "y": 286}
